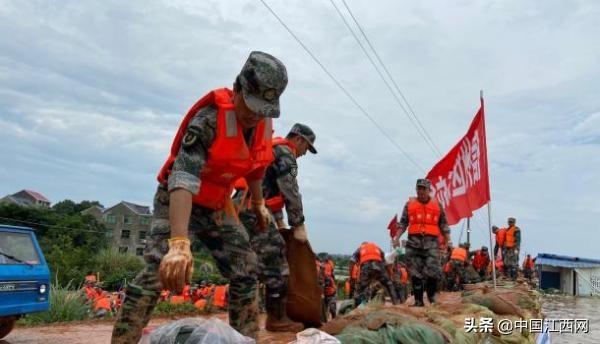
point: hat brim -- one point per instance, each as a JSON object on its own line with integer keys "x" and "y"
{"x": 311, "y": 148}
{"x": 261, "y": 106}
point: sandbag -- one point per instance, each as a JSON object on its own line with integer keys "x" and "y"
{"x": 304, "y": 302}
{"x": 197, "y": 331}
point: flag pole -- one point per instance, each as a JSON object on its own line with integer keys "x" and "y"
{"x": 489, "y": 206}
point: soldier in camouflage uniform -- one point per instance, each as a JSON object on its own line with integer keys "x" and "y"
{"x": 372, "y": 269}
{"x": 168, "y": 258}
{"x": 280, "y": 188}
{"x": 512, "y": 244}
{"x": 422, "y": 247}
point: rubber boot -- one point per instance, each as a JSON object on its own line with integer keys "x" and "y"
{"x": 418, "y": 292}
{"x": 277, "y": 320}
{"x": 431, "y": 289}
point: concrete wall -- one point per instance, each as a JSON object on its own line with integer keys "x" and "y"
{"x": 588, "y": 282}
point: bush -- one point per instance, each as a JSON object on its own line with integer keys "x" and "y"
{"x": 65, "y": 305}
{"x": 168, "y": 309}
{"x": 115, "y": 267}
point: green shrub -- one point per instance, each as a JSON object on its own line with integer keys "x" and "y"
{"x": 115, "y": 267}
{"x": 168, "y": 309}
{"x": 65, "y": 305}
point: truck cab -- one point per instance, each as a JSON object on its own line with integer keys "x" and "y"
{"x": 24, "y": 276}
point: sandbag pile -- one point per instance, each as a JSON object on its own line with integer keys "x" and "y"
{"x": 443, "y": 322}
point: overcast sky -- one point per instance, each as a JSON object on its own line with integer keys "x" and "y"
{"x": 92, "y": 92}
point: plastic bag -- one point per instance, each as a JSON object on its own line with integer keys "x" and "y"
{"x": 198, "y": 331}
{"x": 314, "y": 336}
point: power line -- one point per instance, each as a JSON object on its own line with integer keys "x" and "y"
{"x": 343, "y": 89}
{"x": 51, "y": 226}
{"x": 389, "y": 75}
{"x": 389, "y": 87}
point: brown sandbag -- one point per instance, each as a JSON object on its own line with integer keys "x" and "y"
{"x": 304, "y": 293}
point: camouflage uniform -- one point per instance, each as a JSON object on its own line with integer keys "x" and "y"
{"x": 372, "y": 271}
{"x": 511, "y": 256}
{"x": 227, "y": 241}
{"x": 423, "y": 254}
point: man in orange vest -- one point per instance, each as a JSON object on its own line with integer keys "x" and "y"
{"x": 500, "y": 238}
{"x": 354, "y": 275}
{"x": 512, "y": 243}
{"x": 425, "y": 220}
{"x": 280, "y": 189}
{"x": 226, "y": 135}
{"x": 458, "y": 262}
{"x": 481, "y": 260}
{"x": 371, "y": 260}
{"x": 528, "y": 266}
{"x": 400, "y": 280}
{"x": 330, "y": 287}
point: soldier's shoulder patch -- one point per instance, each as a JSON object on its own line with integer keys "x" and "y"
{"x": 190, "y": 137}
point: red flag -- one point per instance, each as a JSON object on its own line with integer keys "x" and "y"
{"x": 393, "y": 227}
{"x": 460, "y": 180}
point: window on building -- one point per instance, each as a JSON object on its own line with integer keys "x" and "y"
{"x": 123, "y": 249}
{"x": 139, "y": 251}
{"x": 145, "y": 220}
{"x": 125, "y": 234}
{"x": 142, "y": 235}
{"x": 127, "y": 220}
{"x": 110, "y": 218}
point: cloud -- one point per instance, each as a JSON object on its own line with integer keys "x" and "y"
{"x": 91, "y": 94}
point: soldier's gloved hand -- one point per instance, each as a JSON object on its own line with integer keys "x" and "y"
{"x": 300, "y": 233}
{"x": 263, "y": 217}
{"x": 177, "y": 265}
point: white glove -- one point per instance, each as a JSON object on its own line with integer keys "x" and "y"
{"x": 300, "y": 233}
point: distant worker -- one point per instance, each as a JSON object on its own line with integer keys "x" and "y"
{"x": 458, "y": 262}
{"x": 500, "y": 238}
{"x": 425, "y": 220}
{"x": 353, "y": 280}
{"x": 528, "y": 266}
{"x": 480, "y": 261}
{"x": 226, "y": 135}
{"x": 400, "y": 280}
{"x": 330, "y": 287}
{"x": 372, "y": 268}
{"x": 512, "y": 244}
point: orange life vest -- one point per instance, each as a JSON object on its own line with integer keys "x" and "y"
{"x": 423, "y": 218}
{"x": 200, "y": 304}
{"x": 220, "y": 296}
{"x": 528, "y": 264}
{"x": 403, "y": 275}
{"x": 501, "y": 237}
{"x": 177, "y": 300}
{"x": 447, "y": 267}
{"x": 459, "y": 253}
{"x": 276, "y": 203}
{"x": 510, "y": 237}
{"x": 328, "y": 268}
{"x": 347, "y": 287}
{"x": 355, "y": 272}
{"x": 480, "y": 260}
{"x": 229, "y": 157}
{"x": 205, "y": 291}
{"x": 102, "y": 302}
{"x": 186, "y": 292}
{"x": 370, "y": 251}
{"x": 330, "y": 288}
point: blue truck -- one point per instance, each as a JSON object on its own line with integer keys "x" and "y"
{"x": 24, "y": 276}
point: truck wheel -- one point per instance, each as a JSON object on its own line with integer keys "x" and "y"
{"x": 6, "y": 325}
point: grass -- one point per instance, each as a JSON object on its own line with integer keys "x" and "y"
{"x": 168, "y": 309}
{"x": 65, "y": 305}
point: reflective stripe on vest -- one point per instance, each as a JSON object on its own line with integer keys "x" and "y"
{"x": 229, "y": 157}
{"x": 459, "y": 253}
{"x": 510, "y": 237}
{"x": 423, "y": 219}
{"x": 369, "y": 251}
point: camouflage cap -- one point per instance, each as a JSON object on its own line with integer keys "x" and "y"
{"x": 263, "y": 79}
{"x": 512, "y": 220}
{"x": 306, "y": 132}
{"x": 424, "y": 183}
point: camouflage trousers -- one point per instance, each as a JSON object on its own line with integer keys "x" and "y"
{"x": 511, "y": 262}
{"x": 456, "y": 275}
{"x": 331, "y": 305}
{"x": 373, "y": 271}
{"x": 228, "y": 242}
{"x": 401, "y": 291}
{"x": 269, "y": 246}
{"x": 423, "y": 257}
